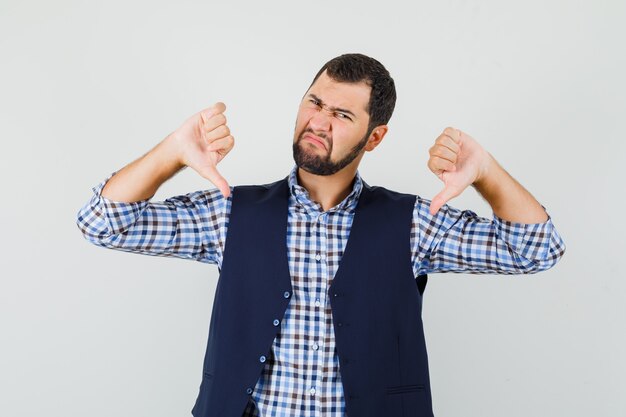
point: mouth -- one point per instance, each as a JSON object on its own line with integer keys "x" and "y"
{"x": 314, "y": 139}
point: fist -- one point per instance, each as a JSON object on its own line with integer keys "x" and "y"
{"x": 457, "y": 160}
{"x": 203, "y": 141}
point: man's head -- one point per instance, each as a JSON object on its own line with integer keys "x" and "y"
{"x": 346, "y": 108}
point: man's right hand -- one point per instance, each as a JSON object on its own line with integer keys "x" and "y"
{"x": 203, "y": 141}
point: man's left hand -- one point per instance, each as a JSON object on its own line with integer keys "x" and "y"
{"x": 457, "y": 160}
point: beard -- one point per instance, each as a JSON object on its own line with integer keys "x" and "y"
{"x": 317, "y": 164}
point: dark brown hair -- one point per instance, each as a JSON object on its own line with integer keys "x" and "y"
{"x": 354, "y": 68}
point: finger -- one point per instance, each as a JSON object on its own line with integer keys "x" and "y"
{"x": 443, "y": 152}
{"x": 217, "y": 108}
{"x": 452, "y": 133}
{"x": 438, "y": 165}
{"x": 218, "y": 133}
{"x": 223, "y": 144}
{"x": 216, "y": 178}
{"x": 220, "y": 107}
{"x": 445, "y": 140}
{"x": 212, "y": 122}
{"x": 461, "y": 134}
{"x": 442, "y": 198}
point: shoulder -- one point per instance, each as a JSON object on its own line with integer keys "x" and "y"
{"x": 261, "y": 192}
{"x": 420, "y": 203}
{"x": 260, "y": 187}
{"x": 381, "y": 192}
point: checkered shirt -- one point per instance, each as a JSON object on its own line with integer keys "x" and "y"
{"x": 301, "y": 375}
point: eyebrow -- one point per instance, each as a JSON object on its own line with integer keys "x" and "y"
{"x": 332, "y": 108}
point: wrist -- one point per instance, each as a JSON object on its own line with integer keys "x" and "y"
{"x": 485, "y": 169}
{"x": 172, "y": 149}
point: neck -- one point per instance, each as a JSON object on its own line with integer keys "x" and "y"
{"x": 328, "y": 190}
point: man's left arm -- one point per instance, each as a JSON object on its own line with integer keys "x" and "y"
{"x": 520, "y": 239}
{"x": 470, "y": 164}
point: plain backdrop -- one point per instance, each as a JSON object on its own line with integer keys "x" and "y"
{"x": 87, "y": 87}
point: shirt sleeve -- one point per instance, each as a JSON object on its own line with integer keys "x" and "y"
{"x": 190, "y": 226}
{"x": 456, "y": 240}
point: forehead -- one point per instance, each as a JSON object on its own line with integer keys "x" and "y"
{"x": 351, "y": 96}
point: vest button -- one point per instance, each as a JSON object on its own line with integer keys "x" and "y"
{"x": 286, "y": 294}
{"x": 248, "y": 391}
{"x": 262, "y": 359}
{"x": 276, "y": 322}
{"x": 340, "y": 324}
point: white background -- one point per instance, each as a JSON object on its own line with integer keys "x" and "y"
{"x": 87, "y": 87}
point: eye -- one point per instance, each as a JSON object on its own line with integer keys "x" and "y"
{"x": 343, "y": 116}
{"x": 316, "y": 102}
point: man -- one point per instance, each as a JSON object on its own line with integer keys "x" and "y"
{"x": 317, "y": 311}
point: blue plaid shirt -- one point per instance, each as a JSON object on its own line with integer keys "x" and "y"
{"x": 301, "y": 376}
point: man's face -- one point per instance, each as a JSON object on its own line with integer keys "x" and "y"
{"x": 331, "y": 127}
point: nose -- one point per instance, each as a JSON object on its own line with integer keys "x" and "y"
{"x": 320, "y": 121}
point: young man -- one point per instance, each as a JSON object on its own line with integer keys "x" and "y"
{"x": 318, "y": 305}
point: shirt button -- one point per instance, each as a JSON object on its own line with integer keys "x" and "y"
{"x": 249, "y": 391}
{"x": 315, "y": 346}
{"x": 318, "y": 257}
{"x": 312, "y": 391}
{"x": 286, "y": 294}
{"x": 317, "y": 302}
{"x": 276, "y": 322}
{"x": 262, "y": 359}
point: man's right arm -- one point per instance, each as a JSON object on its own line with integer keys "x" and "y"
{"x": 189, "y": 226}
{"x": 141, "y": 179}
{"x": 120, "y": 215}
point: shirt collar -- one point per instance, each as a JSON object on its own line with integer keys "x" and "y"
{"x": 302, "y": 195}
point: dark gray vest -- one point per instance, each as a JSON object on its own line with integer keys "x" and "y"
{"x": 376, "y": 303}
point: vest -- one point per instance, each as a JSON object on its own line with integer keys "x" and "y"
{"x": 376, "y": 304}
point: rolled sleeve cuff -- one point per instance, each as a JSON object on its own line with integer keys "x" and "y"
{"x": 529, "y": 240}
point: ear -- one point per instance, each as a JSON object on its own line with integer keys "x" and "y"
{"x": 377, "y": 135}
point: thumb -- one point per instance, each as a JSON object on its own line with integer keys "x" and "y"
{"x": 216, "y": 178}
{"x": 442, "y": 198}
